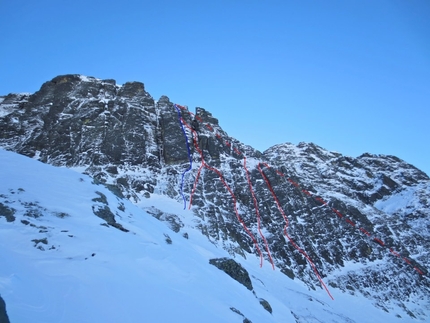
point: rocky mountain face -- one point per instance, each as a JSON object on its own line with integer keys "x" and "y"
{"x": 356, "y": 224}
{"x": 3, "y": 315}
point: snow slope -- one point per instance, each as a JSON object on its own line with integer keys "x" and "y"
{"x": 61, "y": 263}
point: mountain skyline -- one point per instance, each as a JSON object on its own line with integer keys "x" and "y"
{"x": 336, "y": 224}
{"x": 240, "y": 120}
{"x": 351, "y": 76}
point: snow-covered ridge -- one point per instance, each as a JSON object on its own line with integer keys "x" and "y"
{"x": 65, "y": 265}
{"x": 91, "y": 79}
{"x": 88, "y": 78}
{"x": 123, "y": 138}
{"x": 10, "y": 102}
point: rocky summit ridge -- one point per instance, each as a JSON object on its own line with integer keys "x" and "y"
{"x": 360, "y": 225}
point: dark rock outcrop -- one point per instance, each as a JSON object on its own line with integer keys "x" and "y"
{"x": 7, "y": 212}
{"x": 266, "y": 305}
{"x": 370, "y": 211}
{"x": 3, "y": 314}
{"x": 234, "y": 270}
{"x": 103, "y": 211}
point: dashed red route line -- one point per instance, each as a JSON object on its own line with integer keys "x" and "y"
{"x": 228, "y": 144}
{"x": 364, "y": 231}
{"x": 258, "y": 212}
{"x": 204, "y": 164}
{"x": 286, "y": 227}
{"x": 377, "y": 240}
{"x": 292, "y": 182}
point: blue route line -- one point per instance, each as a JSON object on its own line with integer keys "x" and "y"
{"x": 189, "y": 155}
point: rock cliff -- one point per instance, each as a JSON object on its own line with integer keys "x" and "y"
{"x": 357, "y": 224}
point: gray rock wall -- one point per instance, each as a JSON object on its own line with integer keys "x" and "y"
{"x": 3, "y": 315}
{"x": 332, "y": 207}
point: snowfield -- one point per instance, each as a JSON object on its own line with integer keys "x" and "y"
{"x": 61, "y": 263}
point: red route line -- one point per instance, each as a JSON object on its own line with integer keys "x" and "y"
{"x": 407, "y": 260}
{"x": 252, "y": 193}
{"x": 306, "y": 192}
{"x": 350, "y": 222}
{"x": 198, "y": 118}
{"x": 195, "y": 185}
{"x": 258, "y": 212}
{"x": 379, "y": 241}
{"x": 286, "y": 226}
{"x": 294, "y": 184}
{"x": 203, "y": 164}
{"x": 366, "y": 233}
{"x": 255, "y": 203}
{"x": 320, "y": 200}
{"x": 279, "y": 173}
{"x": 335, "y": 211}
{"x": 394, "y": 253}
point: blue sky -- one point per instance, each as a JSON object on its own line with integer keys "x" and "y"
{"x": 351, "y": 76}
